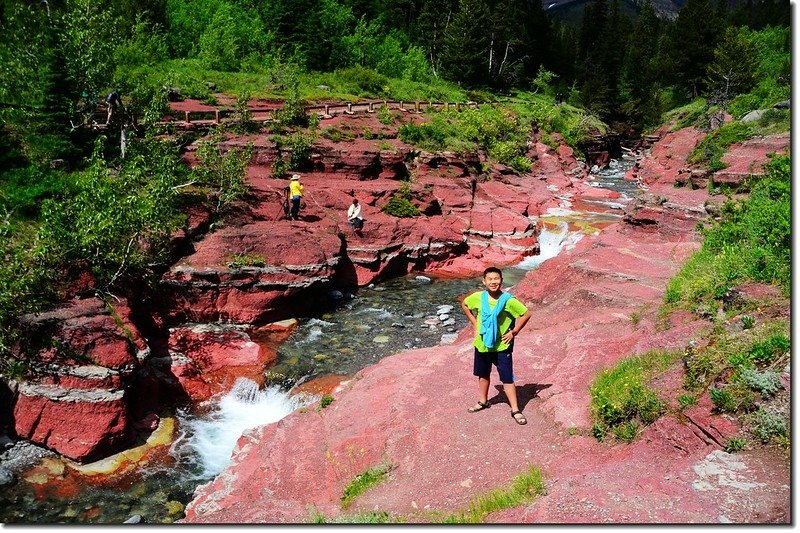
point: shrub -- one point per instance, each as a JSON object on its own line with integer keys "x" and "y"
{"x": 385, "y": 116}
{"x": 764, "y": 352}
{"x": 626, "y": 431}
{"x": 521, "y": 163}
{"x": 245, "y": 259}
{"x": 326, "y": 401}
{"x": 767, "y": 382}
{"x": 766, "y": 425}
{"x": 735, "y": 444}
{"x": 225, "y": 171}
{"x": 619, "y": 395}
{"x": 750, "y": 242}
{"x": 400, "y": 207}
{"x": 732, "y": 398}
{"x": 363, "y": 81}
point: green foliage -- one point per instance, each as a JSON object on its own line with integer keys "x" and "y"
{"x": 147, "y": 45}
{"x": 326, "y": 401}
{"x": 378, "y": 517}
{"x": 87, "y": 41}
{"x": 767, "y": 382}
{"x": 246, "y": 259}
{"x": 524, "y": 488}
{"x": 751, "y": 241}
{"x": 298, "y": 144}
{"x": 234, "y": 34}
{"x": 766, "y": 351}
{"x": 400, "y": 207}
{"x": 22, "y": 190}
{"x": 686, "y": 400}
{"x": 766, "y": 425}
{"x": 364, "y": 481}
{"x": 224, "y": 171}
{"x": 337, "y": 134}
{"x": 723, "y": 400}
{"x": 735, "y": 444}
{"x": 362, "y": 81}
{"x": 242, "y": 116}
{"x": 773, "y": 72}
{"x": 734, "y": 67}
{"x": 748, "y": 322}
{"x": 385, "y": 116}
{"x": 118, "y": 222}
{"x": 626, "y": 431}
{"x": 542, "y": 80}
{"x": 293, "y": 111}
{"x": 13, "y": 369}
{"x": 620, "y": 395}
{"x": 716, "y": 143}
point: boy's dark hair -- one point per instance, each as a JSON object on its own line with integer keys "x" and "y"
{"x": 492, "y": 269}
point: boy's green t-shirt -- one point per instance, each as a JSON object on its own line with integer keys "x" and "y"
{"x": 513, "y": 309}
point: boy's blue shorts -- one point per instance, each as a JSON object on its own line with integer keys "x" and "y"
{"x": 483, "y": 361}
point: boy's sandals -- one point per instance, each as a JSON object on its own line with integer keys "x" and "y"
{"x": 480, "y": 406}
{"x": 519, "y": 418}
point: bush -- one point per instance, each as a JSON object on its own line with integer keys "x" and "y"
{"x": 735, "y": 444}
{"x": 362, "y": 81}
{"x": 400, "y": 207}
{"x": 767, "y": 382}
{"x": 620, "y": 396}
{"x": 766, "y": 425}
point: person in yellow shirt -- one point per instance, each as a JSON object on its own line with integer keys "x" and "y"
{"x": 295, "y": 196}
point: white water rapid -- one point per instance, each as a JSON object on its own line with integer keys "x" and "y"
{"x": 210, "y": 438}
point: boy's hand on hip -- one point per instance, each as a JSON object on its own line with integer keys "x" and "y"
{"x": 508, "y": 337}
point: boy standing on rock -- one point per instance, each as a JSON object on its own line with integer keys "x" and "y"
{"x": 500, "y": 317}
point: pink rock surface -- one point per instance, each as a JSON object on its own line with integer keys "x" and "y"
{"x": 581, "y": 305}
{"x": 441, "y": 456}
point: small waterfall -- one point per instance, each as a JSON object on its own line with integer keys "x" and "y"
{"x": 209, "y": 438}
{"x": 551, "y": 242}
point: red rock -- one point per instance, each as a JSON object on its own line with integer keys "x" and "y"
{"x": 81, "y": 425}
{"x": 207, "y": 359}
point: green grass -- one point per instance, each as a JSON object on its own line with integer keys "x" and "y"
{"x": 239, "y": 260}
{"x": 363, "y": 482}
{"x": 621, "y": 401}
{"x": 711, "y": 149}
{"x": 750, "y": 242}
{"x": 695, "y": 113}
{"x": 318, "y": 517}
{"x": 523, "y": 488}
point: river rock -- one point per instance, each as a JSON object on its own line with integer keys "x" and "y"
{"x": 423, "y": 279}
{"x": 381, "y": 339}
{"x": 448, "y": 338}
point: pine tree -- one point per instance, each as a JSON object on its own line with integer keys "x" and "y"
{"x": 693, "y": 40}
{"x": 465, "y": 47}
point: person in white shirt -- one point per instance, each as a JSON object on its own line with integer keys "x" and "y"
{"x": 354, "y": 216}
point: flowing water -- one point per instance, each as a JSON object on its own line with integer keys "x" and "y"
{"x": 360, "y": 329}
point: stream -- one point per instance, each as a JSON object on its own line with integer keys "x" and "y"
{"x": 358, "y": 330}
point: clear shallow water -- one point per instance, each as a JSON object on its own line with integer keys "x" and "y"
{"x": 379, "y": 321}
